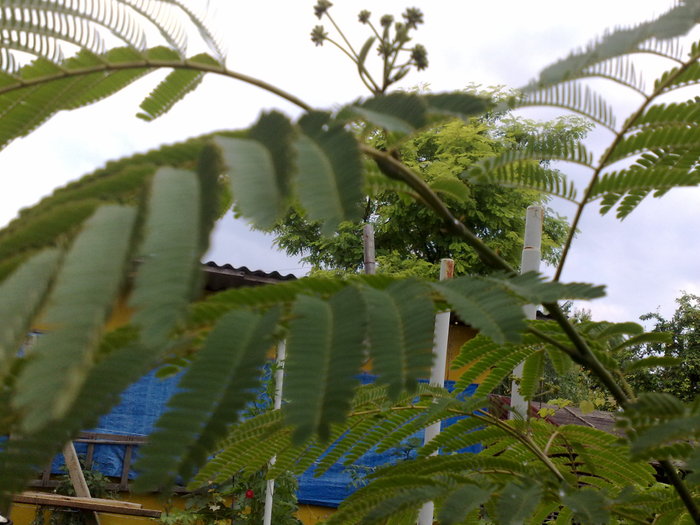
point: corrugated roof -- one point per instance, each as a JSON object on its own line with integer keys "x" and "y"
{"x": 222, "y": 277}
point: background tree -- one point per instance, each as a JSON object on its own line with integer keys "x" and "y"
{"x": 410, "y": 239}
{"x": 681, "y": 354}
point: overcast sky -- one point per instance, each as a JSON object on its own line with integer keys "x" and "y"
{"x": 645, "y": 261}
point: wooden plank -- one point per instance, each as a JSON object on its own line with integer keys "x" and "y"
{"x": 63, "y": 497}
{"x": 77, "y": 478}
{"x": 126, "y": 466}
{"x": 89, "y": 456}
{"x": 90, "y": 504}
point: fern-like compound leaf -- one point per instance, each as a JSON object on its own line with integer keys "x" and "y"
{"x": 657, "y": 138}
{"x": 325, "y": 347}
{"x": 576, "y": 98}
{"x": 166, "y": 278}
{"x": 173, "y": 88}
{"x": 675, "y": 22}
{"x": 330, "y": 172}
{"x": 673, "y": 114}
{"x": 400, "y": 333}
{"x": 397, "y": 112}
{"x": 405, "y": 113}
{"x": 517, "y": 502}
{"x": 460, "y": 105}
{"x": 213, "y": 391}
{"x": 86, "y": 287}
{"x": 527, "y": 175}
{"x": 484, "y": 306}
{"x": 261, "y": 167}
{"x": 461, "y": 501}
{"x": 21, "y": 296}
{"x": 535, "y": 289}
{"x": 539, "y": 149}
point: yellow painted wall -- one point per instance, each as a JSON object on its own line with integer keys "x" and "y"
{"x": 23, "y": 514}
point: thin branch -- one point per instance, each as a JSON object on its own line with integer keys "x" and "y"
{"x": 395, "y": 169}
{"x": 523, "y": 438}
{"x": 550, "y": 340}
{"x": 154, "y": 64}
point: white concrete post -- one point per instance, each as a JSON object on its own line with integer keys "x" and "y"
{"x": 437, "y": 375}
{"x": 530, "y": 261}
{"x": 279, "y": 380}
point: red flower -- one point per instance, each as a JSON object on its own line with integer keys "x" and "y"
{"x": 249, "y": 494}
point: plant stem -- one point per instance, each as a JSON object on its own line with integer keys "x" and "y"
{"x": 364, "y": 74}
{"x": 355, "y": 58}
{"x": 395, "y": 169}
{"x": 523, "y": 438}
{"x": 606, "y": 156}
{"x": 156, "y": 64}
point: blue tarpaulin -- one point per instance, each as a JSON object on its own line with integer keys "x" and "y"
{"x": 143, "y": 402}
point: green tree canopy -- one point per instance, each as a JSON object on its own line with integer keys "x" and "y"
{"x": 683, "y": 346}
{"x": 409, "y": 238}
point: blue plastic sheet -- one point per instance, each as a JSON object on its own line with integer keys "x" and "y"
{"x": 143, "y": 402}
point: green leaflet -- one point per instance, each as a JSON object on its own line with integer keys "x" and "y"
{"x": 632, "y": 185}
{"x": 464, "y": 433}
{"x": 165, "y": 281}
{"x": 537, "y": 150}
{"x": 535, "y": 289}
{"x": 21, "y": 297}
{"x": 576, "y": 98}
{"x": 174, "y": 88}
{"x": 653, "y": 362}
{"x": 169, "y": 92}
{"x": 516, "y": 503}
{"x": 215, "y": 388}
{"x": 405, "y": 112}
{"x": 619, "y": 69}
{"x": 325, "y": 347}
{"x": 242, "y": 437}
{"x": 489, "y": 361}
{"x": 461, "y": 501}
{"x": 387, "y": 498}
{"x": 671, "y": 138}
{"x": 676, "y": 22}
{"x": 452, "y": 188}
{"x": 400, "y": 333}
{"x": 461, "y": 105}
{"x": 533, "y": 370}
{"x": 261, "y": 167}
{"x": 397, "y": 112}
{"x": 527, "y": 174}
{"x": 330, "y": 172}
{"x": 86, "y": 287}
{"x": 669, "y": 114}
{"x": 484, "y": 306}
{"x": 660, "y": 425}
{"x": 588, "y": 505}
{"x": 84, "y": 79}
{"x": 679, "y": 77}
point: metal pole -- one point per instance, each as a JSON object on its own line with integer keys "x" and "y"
{"x": 370, "y": 262}
{"x": 529, "y": 262}
{"x": 279, "y": 379}
{"x": 437, "y": 375}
